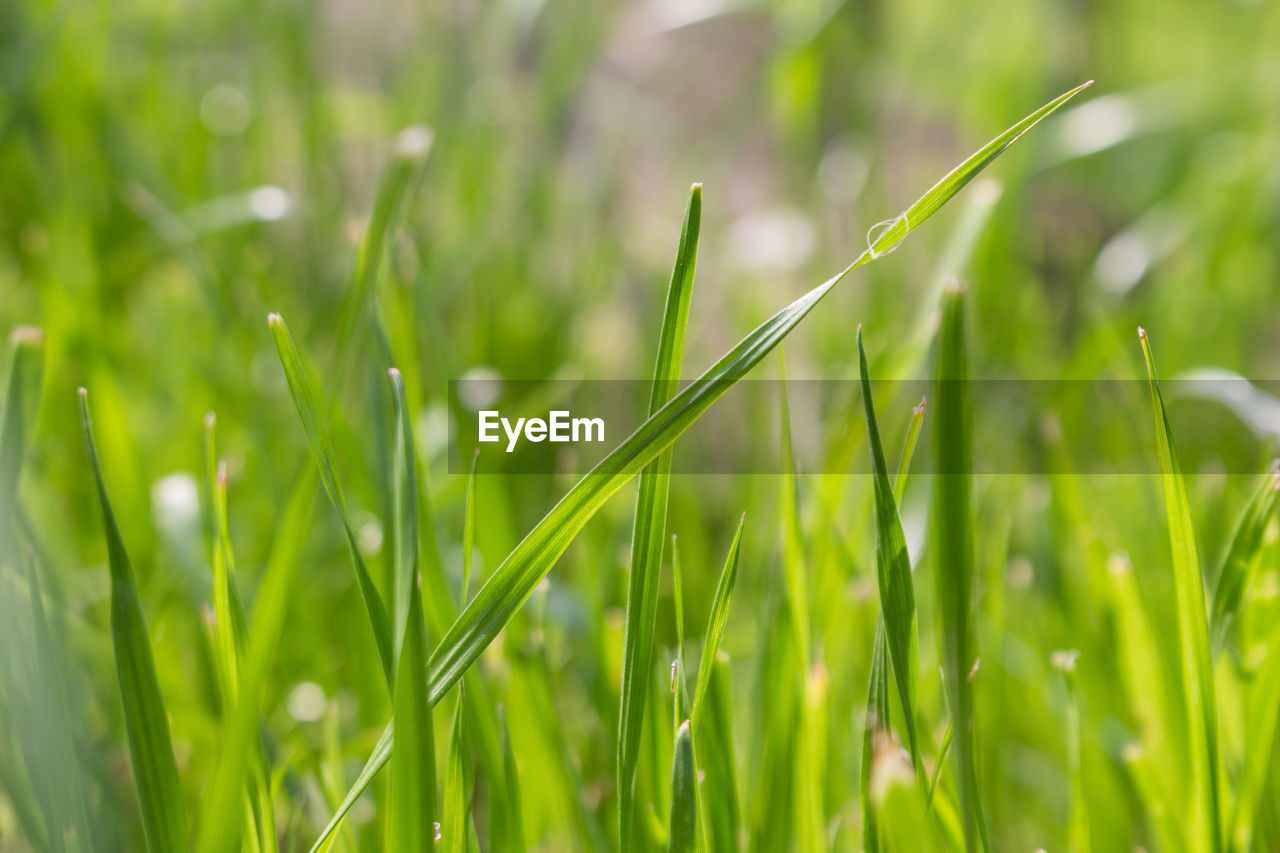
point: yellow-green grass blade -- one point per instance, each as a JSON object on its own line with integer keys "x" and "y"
{"x": 893, "y": 573}
{"x": 1203, "y": 819}
{"x": 714, "y": 752}
{"x": 679, "y": 683}
{"x": 908, "y": 450}
{"x": 164, "y": 819}
{"x": 649, "y": 531}
{"x": 1261, "y": 722}
{"x": 716, "y": 623}
{"x": 1078, "y": 840}
{"x": 219, "y": 829}
{"x": 412, "y": 788}
{"x": 514, "y": 580}
{"x": 506, "y": 821}
{"x": 469, "y": 530}
{"x": 455, "y": 821}
{"x": 954, "y": 551}
{"x": 1241, "y": 559}
{"x": 683, "y": 834}
{"x": 304, "y": 398}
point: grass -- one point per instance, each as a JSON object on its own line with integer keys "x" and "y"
{"x": 866, "y": 658}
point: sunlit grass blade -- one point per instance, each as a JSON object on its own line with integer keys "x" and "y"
{"x": 506, "y": 821}
{"x": 514, "y": 580}
{"x": 313, "y": 425}
{"x": 1242, "y": 557}
{"x": 683, "y": 834}
{"x": 412, "y": 788}
{"x": 893, "y": 573}
{"x": 1204, "y": 820}
{"x": 714, "y": 750}
{"x": 716, "y": 622}
{"x": 164, "y": 819}
{"x": 455, "y": 821}
{"x": 219, "y": 827}
{"x": 679, "y": 679}
{"x": 954, "y": 551}
{"x": 649, "y": 531}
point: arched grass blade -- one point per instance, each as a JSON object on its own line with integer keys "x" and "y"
{"x": 533, "y": 558}
{"x": 1203, "y": 821}
{"x": 683, "y": 834}
{"x": 164, "y": 819}
{"x": 1242, "y": 557}
{"x": 304, "y": 398}
{"x": 412, "y": 793}
{"x": 716, "y": 623}
{"x": 954, "y": 551}
{"x": 893, "y": 573}
{"x": 650, "y": 522}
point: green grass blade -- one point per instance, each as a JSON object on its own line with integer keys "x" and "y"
{"x": 679, "y": 683}
{"x": 455, "y": 822}
{"x": 514, "y": 580}
{"x": 412, "y": 791}
{"x": 650, "y": 523}
{"x": 164, "y": 819}
{"x": 469, "y": 530}
{"x": 954, "y": 551}
{"x": 683, "y": 835}
{"x": 22, "y": 395}
{"x": 506, "y": 822}
{"x": 304, "y": 399}
{"x": 908, "y": 450}
{"x": 714, "y": 750}
{"x": 716, "y": 622}
{"x": 1204, "y": 821}
{"x": 893, "y": 572}
{"x": 875, "y": 736}
{"x": 1242, "y": 557}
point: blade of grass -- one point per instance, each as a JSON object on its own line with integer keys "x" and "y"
{"x": 412, "y": 793}
{"x": 714, "y": 751}
{"x": 1204, "y": 821}
{"x": 533, "y": 558}
{"x": 455, "y": 824}
{"x": 164, "y": 819}
{"x": 893, "y": 573}
{"x": 716, "y": 622}
{"x": 683, "y": 835}
{"x": 506, "y": 822}
{"x": 469, "y": 530}
{"x": 304, "y": 398}
{"x": 679, "y": 683}
{"x": 1242, "y": 557}
{"x": 650, "y": 523}
{"x": 954, "y": 550}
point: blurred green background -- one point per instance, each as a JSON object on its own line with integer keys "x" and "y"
{"x": 170, "y": 172}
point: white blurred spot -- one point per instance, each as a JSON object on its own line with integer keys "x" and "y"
{"x": 269, "y": 203}
{"x": 1098, "y": 124}
{"x": 673, "y": 14}
{"x": 843, "y": 172}
{"x": 175, "y": 501}
{"x": 307, "y": 702}
{"x": 479, "y": 388}
{"x": 1020, "y": 572}
{"x": 368, "y": 534}
{"x": 414, "y": 142}
{"x": 772, "y": 241}
{"x": 1065, "y": 659}
{"x": 225, "y": 110}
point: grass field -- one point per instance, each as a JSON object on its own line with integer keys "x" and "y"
{"x": 255, "y": 596}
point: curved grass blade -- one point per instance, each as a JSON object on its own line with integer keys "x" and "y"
{"x": 650, "y": 523}
{"x": 683, "y": 835}
{"x": 953, "y": 546}
{"x": 716, "y": 623}
{"x": 321, "y": 445}
{"x": 1204, "y": 821}
{"x": 533, "y": 558}
{"x": 893, "y": 573}
{"x": 1242, "y": 557}
{"x": 412, "y": 793}
{"x": 164, "y": 819}
{"x": 455, "y": 822}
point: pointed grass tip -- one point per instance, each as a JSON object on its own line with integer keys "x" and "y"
{"x": 32, "y": 335}
{"x": 924, "y": 402}
{"x": 274, "y": 319}
{"x": 394, "y": 372}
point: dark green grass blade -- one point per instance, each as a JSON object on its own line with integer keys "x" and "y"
{"x": 506, "y": 822}
{"x": 304, "y": 399}
{"x": 893, "y": 573}
{"x": 164, "y": 819}
{"x": 683, "y": 835}
{"x": 650, "y": 523}
{"x": 412, "y": 791}
{"x": 1204, "y": 821}
{"x": 533, "y": 558}
{"x": 716, "y": 622}
{"x": 455, "y": 822}
{"x": 954, "y": 551}
{"x": 1242, "y": 557}
{"x": 718, "y": 792}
